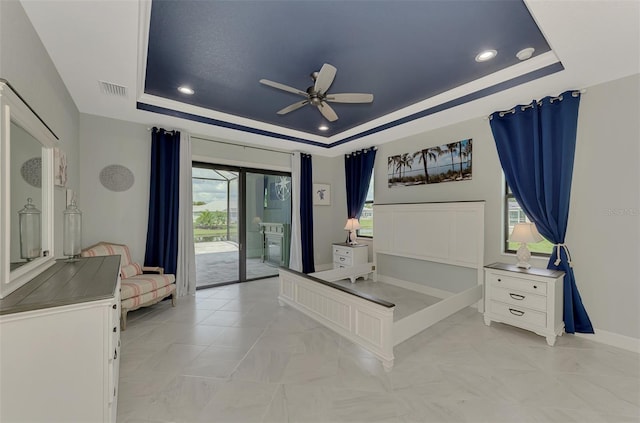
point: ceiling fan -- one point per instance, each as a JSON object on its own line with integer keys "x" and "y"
{"x": 317, "y": 95}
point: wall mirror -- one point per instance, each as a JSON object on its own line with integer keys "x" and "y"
{"x": 26, "y": 159}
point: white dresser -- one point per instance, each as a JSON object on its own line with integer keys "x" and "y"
{"x": 59, "y": 355}
{"x": 530, "y": 299}
{"x": 345, "y": 256}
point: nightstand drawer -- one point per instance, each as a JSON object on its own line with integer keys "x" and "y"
{"x": 342, "y": 251}
{"x": 518, "y": 314}
{"x": 520, "y": 298}
{"x": 519, "y": 284}
{"x": 343, "y": 260}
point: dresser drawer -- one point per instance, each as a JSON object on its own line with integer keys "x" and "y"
{"x": 519, "y": 298}
{"x": 519, "y": 284}
{"x": 518, "y": 314}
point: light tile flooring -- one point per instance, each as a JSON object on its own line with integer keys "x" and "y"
{"x": 231, "y": 354}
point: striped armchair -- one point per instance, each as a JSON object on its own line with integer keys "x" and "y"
{"x": 140, "y": 286}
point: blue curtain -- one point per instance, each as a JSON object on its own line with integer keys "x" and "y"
{"x": 162, "y": 228}
{"x": 358, "y": 167}
{"x": 306, "y": 213}
{"x": 536, "y": 145}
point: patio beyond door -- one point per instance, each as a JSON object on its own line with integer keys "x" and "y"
{"x": 242, "y": 221}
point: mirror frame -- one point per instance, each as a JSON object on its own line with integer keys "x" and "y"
{"x": 13, "y": 108}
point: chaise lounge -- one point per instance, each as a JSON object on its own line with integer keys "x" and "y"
{"x": 140, "y": 286}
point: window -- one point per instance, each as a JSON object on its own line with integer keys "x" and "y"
{"x": 513, "y": 214}
{"x": 366, "y": 218}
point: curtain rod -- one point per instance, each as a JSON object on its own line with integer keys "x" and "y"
{"x": 149, "y": 128}
{"x": 527, "y": 106}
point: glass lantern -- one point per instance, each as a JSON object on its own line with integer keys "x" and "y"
{"x": 72, "y": 231}
{"x": 30, "y": 242}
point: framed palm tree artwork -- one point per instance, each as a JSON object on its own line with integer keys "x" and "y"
{"x": 444, "y": 163}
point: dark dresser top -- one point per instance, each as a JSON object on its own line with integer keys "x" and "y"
{"x": 534, "y": 271}
{"x": 85, "y": 280}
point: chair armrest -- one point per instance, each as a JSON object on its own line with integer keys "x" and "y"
{"x": 153, "y": 269}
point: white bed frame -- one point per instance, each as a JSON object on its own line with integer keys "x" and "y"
{"x": 449, "y": 233}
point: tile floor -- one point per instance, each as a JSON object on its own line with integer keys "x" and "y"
{"x": 231, "y": 354}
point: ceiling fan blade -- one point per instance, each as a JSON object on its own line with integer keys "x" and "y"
{"x": 327, "y": 112}
{"x": 282, "y": 87}
{"x": 350, "y": 98}
{"x": 325, "y": 78}
{"x": 292, "y": 107}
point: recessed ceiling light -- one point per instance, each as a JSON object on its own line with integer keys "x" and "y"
{"x": 323, "y": 127}
{"x": 486, "y": 55}
{"x": 525, "y": 53}
{"x": 185, "y": 90}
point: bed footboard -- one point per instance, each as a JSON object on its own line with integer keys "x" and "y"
{"x": 366, "y": 321}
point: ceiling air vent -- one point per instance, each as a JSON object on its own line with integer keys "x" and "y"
{"x": 109, "y": 88}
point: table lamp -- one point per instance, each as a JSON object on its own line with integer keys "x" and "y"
{"x": 524, "y": 233}
{"x": 351, "y": 226}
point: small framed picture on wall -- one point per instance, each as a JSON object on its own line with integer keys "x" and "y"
{"x": 321, "y": 194}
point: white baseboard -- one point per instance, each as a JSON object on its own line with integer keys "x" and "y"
{"x": 614, "y": 339}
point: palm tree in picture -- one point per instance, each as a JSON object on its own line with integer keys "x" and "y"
{"x": 436, "y": 153}
{"x": 466, "y": 151}
{"x": 424, "y": 156}
{"x": 453, "y": 148}
{"x": 407, "y": 161}
{"x": 391, "y": 162}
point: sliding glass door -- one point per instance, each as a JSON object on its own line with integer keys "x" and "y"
{"x": 242, "y": 221}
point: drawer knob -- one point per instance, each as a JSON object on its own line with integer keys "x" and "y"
{"x": 115, "y": 306}
{"x": 535, "y": 286}
{"x": 115, "y": 329}
{"x": 115, "y": 354}
{"x": 516, "y": 296}
{"x": 341, "y": 258}
{"x": 499, "y": 280}
{"x": 516, "y": 312}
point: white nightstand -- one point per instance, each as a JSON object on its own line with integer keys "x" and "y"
{"x": 345, "y": 256}
{"x": 530, "y": 299}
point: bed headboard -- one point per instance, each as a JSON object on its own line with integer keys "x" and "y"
{"x": 450, "y": 233}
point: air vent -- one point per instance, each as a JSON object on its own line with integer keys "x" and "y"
{"x": 109, "y": 88}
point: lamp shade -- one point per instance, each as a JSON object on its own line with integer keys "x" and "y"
{"x": 526, "y": 233}
{"x": 352, "y": 225}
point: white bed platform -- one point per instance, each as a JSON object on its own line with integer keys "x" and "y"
{"x": 448, "y": 233}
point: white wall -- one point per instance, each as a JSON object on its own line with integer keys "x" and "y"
{"x": 604, "y": 220}
{"x": 119, "y": 217}
{"x": 25, "y": 63}
{"x": 328, "y": 221}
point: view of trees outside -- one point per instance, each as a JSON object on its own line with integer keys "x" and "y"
{"x": 366, "y": 218}
{"x": 215, "y": 199}
{"x": 516, "y": 215}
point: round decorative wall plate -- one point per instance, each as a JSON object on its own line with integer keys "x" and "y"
{"x": 116, "y": 178}
{"x": 31, "y": 172}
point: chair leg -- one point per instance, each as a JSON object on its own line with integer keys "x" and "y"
{"x": 173, "y": 300}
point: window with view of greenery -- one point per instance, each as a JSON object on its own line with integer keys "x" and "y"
{"x": 514, "y": 214}
{"x": 366, "y": 218}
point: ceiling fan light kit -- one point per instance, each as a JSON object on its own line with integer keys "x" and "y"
{"x": 317, "y": 95}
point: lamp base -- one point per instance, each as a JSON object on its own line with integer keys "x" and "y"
{"x": 351, "y": 238}
{"x": 523, "y": 255}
